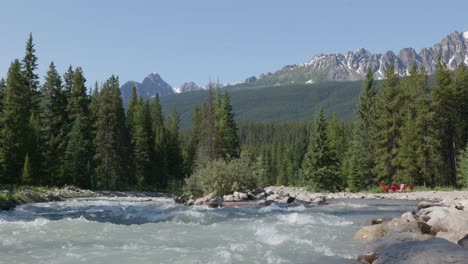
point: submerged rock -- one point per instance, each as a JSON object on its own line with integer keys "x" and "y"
{"x": 432, "y": 251}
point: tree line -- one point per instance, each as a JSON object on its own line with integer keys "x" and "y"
{"x": 409, "y": 130}
{"x": 56, "y": 133}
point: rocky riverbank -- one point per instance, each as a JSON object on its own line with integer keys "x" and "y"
{"x": 11, "y": 198}
{"x": 437, "y": 232}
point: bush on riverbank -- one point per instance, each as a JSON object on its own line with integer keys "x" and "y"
{"x": 223, "y": 177}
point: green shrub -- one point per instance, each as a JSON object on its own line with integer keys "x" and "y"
{"x": 223, "y": 177}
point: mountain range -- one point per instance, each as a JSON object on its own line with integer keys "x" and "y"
{"x": 328, "y": 67}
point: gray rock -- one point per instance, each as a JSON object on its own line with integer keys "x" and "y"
{"x": 459, "y": 206}
{"x": 425, "y": 204}
{"x": 408, "y": 216}
{"x": 287, "y": 199}
{"x": 432, "y": 251}
{"x": 229, "y": 198}
{"x": 380, "y": 244}
{"x": 463, "y": 242}
{"x": 273, "y": 197}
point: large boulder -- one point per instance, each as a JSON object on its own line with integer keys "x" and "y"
{"x": 204, "y": 199}
{"x": 370, "y": 233}
{"x": 380, "y": 244}
{"x": 432, "y": 251}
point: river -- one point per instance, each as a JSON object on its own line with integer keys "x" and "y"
{"x": 139, "y": 230}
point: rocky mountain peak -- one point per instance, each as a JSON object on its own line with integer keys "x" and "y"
{"x": 354, "y": 64}
{"x": 188, "y": 87}
{"x": 150, "y": 86}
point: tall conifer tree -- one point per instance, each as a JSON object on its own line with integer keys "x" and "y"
{"x": 320, "y": 166}
{"x": 388, "y": 123}
{"x": 15, "y": 125}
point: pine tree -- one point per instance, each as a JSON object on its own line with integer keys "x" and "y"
{"x": 365, "y": 146}
{"x": 110, "y": 137}
{"x": 55, "y": 126}
{"x": 320, "y": 163}
{"x": 388, "y": 123}
{"x": 14, "y": 131}
{"x": 29, "y": 65}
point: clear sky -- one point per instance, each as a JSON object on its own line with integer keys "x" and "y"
{"x": 199, "y": 40}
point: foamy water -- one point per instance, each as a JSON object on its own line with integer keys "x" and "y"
{"x": 135, "y": 230}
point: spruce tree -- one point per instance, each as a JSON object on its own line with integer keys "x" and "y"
{"x": 320, "y": 163}
{"x": 75, "y": 166}
{"x": 228, "y": 140}
{"x": 78, "y": 103}
{"x": 160, "y": 143}
{"x": 388, "y": 123}
{"x": 55, "y": 126}
{"x": 68, "y": 82}
{"x": 2, "y": 97}
{"x": 29, "y": 66}
{"x": 132, "y": 107}
{"x": 445, "y": 116}
{"x": 365, "y": 146}
{"x": 142, "y": 143}
{"x": 417, "y": 156}
{"x": 36, "y": 148}
{"x": 174, "y": 154}
{"x": 2, "y": 94}
{"x": 110, "y": 137}
{"x": 15, "y": 126}
{"x": 190, "y": 152}
{"x": 78, "y": 108}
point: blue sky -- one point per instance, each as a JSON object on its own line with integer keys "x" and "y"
{"x": 214, "y": 39}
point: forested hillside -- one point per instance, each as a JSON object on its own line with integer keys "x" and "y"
{"x": 276, "y": 103}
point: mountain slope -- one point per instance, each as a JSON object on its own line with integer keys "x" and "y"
{"x": 276, "y": 103}
{"x": 150, "y": 86}
{"x": 353, "y": 65}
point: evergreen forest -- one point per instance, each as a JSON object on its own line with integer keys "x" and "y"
{"x": 65, "y": 131}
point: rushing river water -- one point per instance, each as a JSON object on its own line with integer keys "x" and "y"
{"x": 136, "y": 230}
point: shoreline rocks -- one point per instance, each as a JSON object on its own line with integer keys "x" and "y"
{"x": 258, "y": 197}
{"x": 440, "y": 227}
